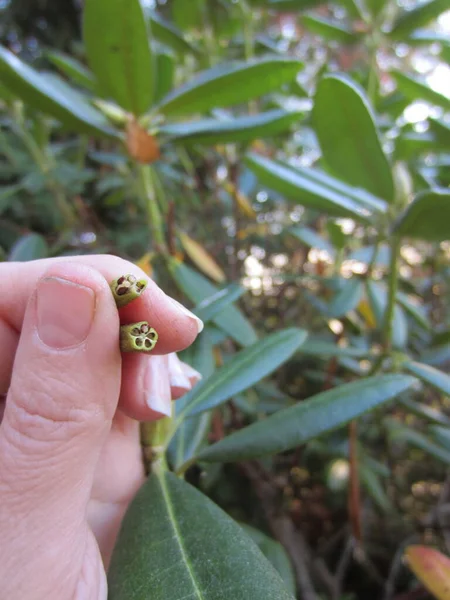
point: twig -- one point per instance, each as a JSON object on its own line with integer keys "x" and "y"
{"x": 354, "y": 498}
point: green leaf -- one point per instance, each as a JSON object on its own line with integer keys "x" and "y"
{"x": 168, "y": 34}
{"x": 376, "y": 7}
{"x": 441, "y": 131}
{"x": 303, "y": 187}
{"x": 418, "y": 17}
{"x": 311, "y": 239}
{"x": 116, "y": 35}
{"x": 191, "y": 435}
{"x": 29, "y": 247}
{"x": 441, "y": 435}
{"x": 188, "y": 15}
{"x": 337, "y": 236}
{"x": 7, "y": 195}
{"x": 275, "y": 554}
{"x": 210, "y": 307}
{"x": 329, "y": 30}
{"x": 401, "y": 433}
{"x": 72, "y": 68}
{"x": 366, "y": 255}
{"x": 416, "y": 311}
{"x": 347, "y": 299}
{"x": 51, "y": 95}
{"x": 306, "y": 420}
{"x": 175, "y": 543}
{"x": 425, "y": 412}
{"x": 415, "y": 89}
{"x": 345, "y": 127}
{"x": 289, "y": 5}
{"x": 165, "y": 69}
{"x": 437, "y": 379}
{"x": 231, "y": 131}
{"x": 229, "y": 84}
{"x": 411, "y": 144}
{"x": 378, "y": 298}
{"x": 327, "y": 350}
{"x": 197, "y": 288}
{"x": 244, "y": 369}
{"x": 427, "y": 217}
{"x": 373, "y": 486}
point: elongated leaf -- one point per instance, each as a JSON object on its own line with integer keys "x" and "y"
{"x": 427, "y": 216}
{"x": 168, "y": 548}
{"x": 116, "y": 35}
{"x": 230, "y": 84}
{"x": 246, "y": 368}
{"x": 418, "y": 17}
{"x": 7, "y": 195}
{"x": 168, "y": 34}
{"x": 275, "y": 554}
{"x": 327, "y": 350}
{"x": 373, "y": 486}
{"x": 416, "y": 311}
{"x": 239, "y": 129}
{"x": 360, "y": 196}
{"x": 329, "y": 30}
{"x": 425, "y": 412}
{"x": 415, "y": 89}
{"x": 378, "y": 298}
{"x": 366, "y": 255}
{"x": 345, "y": 126}
{"x": 414, "y": 438}
{"x": 29, "y": 247}
{"x": 437, "y": 379}
{"x": 306, "y": 420}
{"x": 441, "y": 435}
{"x": 212, "y": 306}
{"x": 431, "y": 567}
{"x": 72, "y": 68}
{"x": 197, "y": 288}
{"x": 165, "y": 69}
{"x": 51, "y": 96}
{"x": 290, "y": 5}
{"x": 312, "y": 239}
{"x": 347, "y": 299}
{"x": 204, "y": 261}
{"x": 191, "y": 435}
{"x": 300, "y": 187}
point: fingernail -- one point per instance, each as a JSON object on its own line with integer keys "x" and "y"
{"x": 193, "y": 375}
{"x": 157, "y": 386}
{"x": 177, "y": 377}
{"x": 65, "y": 311}
{"x": 188, "y": 313}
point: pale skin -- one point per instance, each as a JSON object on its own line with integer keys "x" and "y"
{"x": 70, "y": 456}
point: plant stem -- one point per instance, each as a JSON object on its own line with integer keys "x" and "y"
{"x": 45, "y": 164}
{"x": 392, "y": 293}
{"x": 154, "y": 215}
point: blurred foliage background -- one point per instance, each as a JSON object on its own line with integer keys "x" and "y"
{"x": 310, "y": 165}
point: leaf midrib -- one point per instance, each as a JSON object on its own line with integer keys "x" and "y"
{"x": 173, "y": 521}
{"x": 226, "y": 374}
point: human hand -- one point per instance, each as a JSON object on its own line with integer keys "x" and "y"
{"x": 70, "y": 457}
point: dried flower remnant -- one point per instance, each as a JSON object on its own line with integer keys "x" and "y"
{"x": 137, "y": 337}
{"x": 127, "y": 288}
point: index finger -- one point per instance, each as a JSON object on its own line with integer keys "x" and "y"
{"x": 176, "y": 325}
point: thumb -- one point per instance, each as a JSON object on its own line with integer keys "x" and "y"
{"x": 63, "y": 395}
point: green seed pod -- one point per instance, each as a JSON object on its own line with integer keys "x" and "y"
{"x": 127, "y": 288}
{"x": 137, "y": 337}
